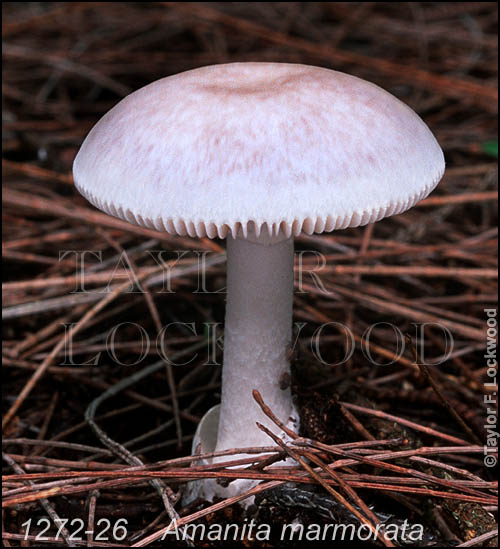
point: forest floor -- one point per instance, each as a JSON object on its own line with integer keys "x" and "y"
{"x": 86, "y": 436}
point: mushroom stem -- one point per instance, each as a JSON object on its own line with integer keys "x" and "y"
{"x": 257, "y": 337}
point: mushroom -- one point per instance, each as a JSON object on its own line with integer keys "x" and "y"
{"x": 257, "y": 153}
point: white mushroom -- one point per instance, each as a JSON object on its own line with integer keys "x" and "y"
{"x": 257, "y": 153}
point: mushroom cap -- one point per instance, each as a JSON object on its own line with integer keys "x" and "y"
{"x": 258, "y": 146}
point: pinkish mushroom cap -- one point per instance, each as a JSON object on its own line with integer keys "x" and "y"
{"x": 226, "y": 148}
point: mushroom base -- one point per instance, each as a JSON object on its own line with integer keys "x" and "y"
{"x": 204, "y": 442}
{"x": 257, "y": 345}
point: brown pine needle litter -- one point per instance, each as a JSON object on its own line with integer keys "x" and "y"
{"x": 393, "y": 429}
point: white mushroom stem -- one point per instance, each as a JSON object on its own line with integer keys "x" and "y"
{"x": 257, "y": 337}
